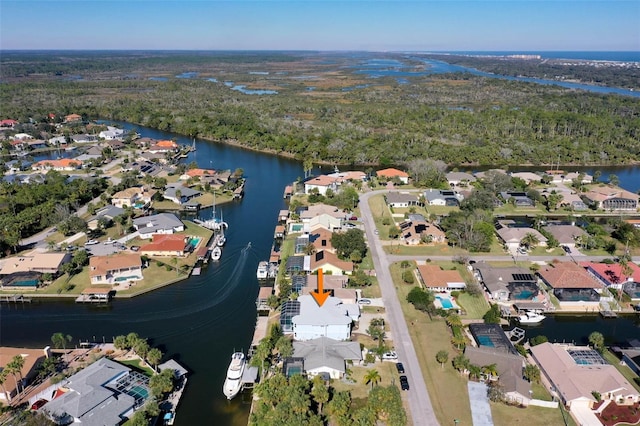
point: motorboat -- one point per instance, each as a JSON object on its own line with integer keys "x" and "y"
{"x": 216, "y": 252}
{"x": 233, "y": 382}
{"x": 530, "y": 318}
{"x": 263, "y": 270}
{"x": 221, "y": 240}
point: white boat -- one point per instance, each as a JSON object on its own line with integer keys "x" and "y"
{"x": 216, "y": 253}
{"x": 263, "y": 270}
{"x": 233, "y": 382}
{"x": 530, "y": 318}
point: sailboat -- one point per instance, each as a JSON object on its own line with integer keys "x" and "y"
{"x": 216, "y": 253}
{"x": 193, "y": 145}
{"x": 221, "y": 238}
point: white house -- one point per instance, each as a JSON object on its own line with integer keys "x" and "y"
{"x": 322, "y": 183}
{"x": 162, "y": 223}
{"x": 333, "y": 319}
{"x": 326, "y": 356}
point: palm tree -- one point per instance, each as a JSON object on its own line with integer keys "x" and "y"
{"x": 3, "y": 378}
{"x": 532, "y": 373}
{"x": 529, "y": 240}
{"x": 490, "y": 370}
{"x": 60, "y": 340}
{"x": 153, "y": 357}
{"x": 474, "y": 371}
{"x": 442, "y": 357}
{"x": 458, "y": 340}
{"x": 461, "y": 363}
{"x": 319, "y": 392}
{"x": 454, "y": 320}
{"x": 372, "y": 377}
{"x": 309, "y": 249}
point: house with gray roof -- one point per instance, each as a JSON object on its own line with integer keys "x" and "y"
{"x": 104, "y": 393}
{"x": 510, "y": 371}
{"x": 401, "y": 199}
{"x": 567, "y": 235}
{"x": 333, "y": 319}
{"x": 439, "y": 197}
{"x": 326, "y": 356}
{"x": 161, "y": 223}
{"x": 185, "y": 194}
{"x": 509, "y": 283}
{"x": 459, "y": 178}
{"x": 108, "y": 212}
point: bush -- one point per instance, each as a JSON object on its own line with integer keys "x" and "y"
{"x": 407, "y": 277}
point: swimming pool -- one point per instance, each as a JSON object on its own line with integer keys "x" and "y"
{"x": 193, "y": 242}
{"x": 445, "y": 302}
{"x": 296, "y": 227}
{"x": 486, "y": 341}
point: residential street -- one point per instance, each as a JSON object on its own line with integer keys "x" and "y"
{"x": 418, "y": 397}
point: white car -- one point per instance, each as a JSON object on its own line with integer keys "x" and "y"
{"x": 364, "y": 302}
{"x": 391, "y": 355}
{"x": 91, "y": 242}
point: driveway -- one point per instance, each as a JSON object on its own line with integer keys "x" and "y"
{"x": 418, "y": 397}
{"x": 480, "y": 408}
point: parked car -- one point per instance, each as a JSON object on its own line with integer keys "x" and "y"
{"x": 349, "y": 225}
{"x": 135, "y": 248}
{"x": 353, "y": 218}
{"x": 566, "y": 249}
{"x": 375, "y": 231}
{"x": 91, "y": 242}
{"x": 400, "y": 367}
{"x": 404, "y": 383}
{"x": 108, "y": 241}
{"x": 364, "y": 302}
{"x": 38, "y": 404}
{"x": 391, "y": 355}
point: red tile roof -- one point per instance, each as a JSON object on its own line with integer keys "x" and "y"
{"x": 568, "y": 275}
{"x": 165, "y": 242}
{"x": 390, "y": 173}
{"x": 200, "y": 172}
{"x": 100, "y": 265}
{"x": 435, "y": 277}
{"x": 613, "y": 273}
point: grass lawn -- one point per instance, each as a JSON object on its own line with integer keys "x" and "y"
{"x": 429, "y": 337}
{"x": 433, "y": 250}
{"x": 474, "y": 306}
{"x": 360, "y": 390}
{"x": 137, "y": 365}
{"x": 504, "y": 415}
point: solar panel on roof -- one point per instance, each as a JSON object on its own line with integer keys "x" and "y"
{"x": 524, "y": 277}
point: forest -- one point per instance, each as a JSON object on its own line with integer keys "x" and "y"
{"x": 326, "y": 112}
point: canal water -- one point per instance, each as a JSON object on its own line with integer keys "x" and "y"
{"x": 201, "y": 321}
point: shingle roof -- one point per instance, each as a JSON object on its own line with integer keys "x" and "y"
{"x": 326, "y": 352}
{"x": 332, "y": 312}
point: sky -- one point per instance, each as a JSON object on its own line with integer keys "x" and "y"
{"x": 446, "y": 25}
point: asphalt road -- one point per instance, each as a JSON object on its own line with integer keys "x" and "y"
{"x": 418, "y": 396}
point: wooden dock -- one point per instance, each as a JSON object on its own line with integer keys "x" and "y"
{"x": 196, "y": 271}
{"x": 608, "y": 314}
{"x": 15, "y": 298}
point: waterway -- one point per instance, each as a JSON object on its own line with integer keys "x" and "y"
{"x": 202, "y": 320}
{"x": 199, "y": 321}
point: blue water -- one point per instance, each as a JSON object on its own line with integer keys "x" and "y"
{"x": 591, "y": 56}
{"x": 486, "y": 341}
{"x": 242, "y": 88}
{"x": 158, "y": 78}
{"x": 381, "y": 68}
{"x": 445, "y": 302}
{"x": 187, "y": 75}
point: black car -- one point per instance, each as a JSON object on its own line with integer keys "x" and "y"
{"x": 400, "y": 367}
{"x": 404, "y": 383}
{"x": 566, "y": 249}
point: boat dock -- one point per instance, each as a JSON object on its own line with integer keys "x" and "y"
{"x": 170, "y": 405}
{"x": 95, "y": 295}
{"x": 196, "y": 271}
{"x": 15, "y": 298}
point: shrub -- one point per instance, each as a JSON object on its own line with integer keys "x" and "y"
{"x": 407, "y": 277}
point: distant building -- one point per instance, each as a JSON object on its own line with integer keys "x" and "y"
{"x": 401, "y": 199}
{"x": 161, "y": 223}
{"x": 609, "y": 198}
{"x": 459, "y": 178}
{"x": 572, "y": 284}
{"x": 119, "y": 268}
{"x": 32, "y": 359}
{"x": 391, "y": 173}
{"x": 509, "y": 283}
{"x": 322, "y": 183}
{"x": 173, "y": 245}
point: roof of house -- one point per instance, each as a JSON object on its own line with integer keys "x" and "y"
{"x": 349, "y": 175}
{"x": 603, "y": 193}
{"x": 509, "y": 367}
{"x": 326, "y": 352}
{"x": 200, "y": 172}
{"x": 61, "y": 162}
{"x": 321, "y": 239}
{"x": 127, "y": 193}
{"x": 401, "y": 197}
{"x": 460, "y": 176}
{"x": 435, "y": 277}
{"x": 87, "y": 397}
{"x": 170, "y": 191}
{"x": 391, "y": 172}
{"x": 332, "y": 312}
{"x": 496, "y": 279}
{"x": 33, "y": 261}
{"x": 565, "y": 234}
{"x": 516, "y": 234}
{"x": 109, "y": 211}
{"x": 433, "y": 194}
{"x": 150, "y": 224}
{"x": 575, "y": 381}
{"x": 318, "y": 209}
{"x": 30, "y": 357}
{"x": 322, "y": 180}
{"x": 165, "y": 242}
{"x": 612, "y": 273}
{"x": 527, "y": 176}
{"x": 324, "y": 257}
{"x": 328, "y": 281}
{"x": 101, "y": 265}
{"x": 167, "y": 144}
{"x": 568, "y": 275}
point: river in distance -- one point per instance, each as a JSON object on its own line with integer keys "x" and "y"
{"x": 200, "y": 321}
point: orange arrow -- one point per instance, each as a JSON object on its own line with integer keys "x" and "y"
{"x": 319, "y": 294}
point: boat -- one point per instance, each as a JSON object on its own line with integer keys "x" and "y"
{"x": 221, "y": 238}
{"x": 216, "y": 252}
{"x": 233, "y": 382}
{"x": 530, "y": 318}
{"x": 263, "y": 270}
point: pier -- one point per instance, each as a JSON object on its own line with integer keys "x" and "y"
{"x": 170, "y": 405}
{"x": 15, "y": 298}
{"x": 95, "y": 295}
